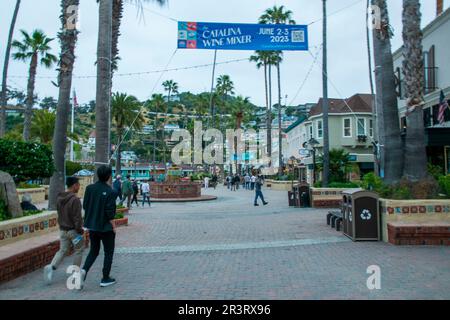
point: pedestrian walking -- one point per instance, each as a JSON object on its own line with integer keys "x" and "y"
{"x": 145, "y": 191}
{"x": 206, "y": 181}
{"x": 237, "y": 180}
{"x": 258, "y": 187}
{"x": 214, "y": 181}
{"x": 70, "y": 221}
{"x": 135, "y": 187}
{"x": 247, "y": 182}
{"x": 117, "y": 186}
{"x": 229, "y": 182}
{"x": 252, "y": 182}
{"x": 127, "y": 191}
{"x": 99, "y": 205}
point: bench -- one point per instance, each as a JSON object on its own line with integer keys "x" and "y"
{"x": 334, "y": 218}
{"x": 419, "y": 233}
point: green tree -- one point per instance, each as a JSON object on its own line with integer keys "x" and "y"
{"x": 340, "y": 165}
{"x": 49, "y": 103}
{"x": 34, "y": 48}
{"x": 3, "y": 94}
{"x": 126, "y": 113}
{"x": 415, "y": 161}
{"x": 43, "y": 125}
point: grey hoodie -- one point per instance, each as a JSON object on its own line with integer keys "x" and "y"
{"x": 68, "y": 206}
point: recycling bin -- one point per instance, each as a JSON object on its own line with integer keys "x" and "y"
{"x": 361, "y": 215}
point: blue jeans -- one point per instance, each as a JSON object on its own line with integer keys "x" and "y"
{"x": 145, "y": 195}
{"x": 259, "y": 194}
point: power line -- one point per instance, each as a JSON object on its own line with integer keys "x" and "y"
{"x": 337, "y": 11}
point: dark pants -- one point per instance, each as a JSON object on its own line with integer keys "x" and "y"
{"x": 108, "y": 240}
{"x": 252, "y": 185}
{"x": 259, "y": 194}
{"x": 135, "y": 199}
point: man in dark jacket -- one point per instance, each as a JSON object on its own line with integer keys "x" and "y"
{"x": 117, "y": 186}
{"x": 99, "y": 205}
{"x": 258, "y": 185}
{"x": 70, "y": 222}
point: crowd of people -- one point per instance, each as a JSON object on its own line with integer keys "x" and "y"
{"x": 129, "y": 190}
{"x": 247, "y": 182}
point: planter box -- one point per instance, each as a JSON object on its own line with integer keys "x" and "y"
{"x": 120, "y": 222}
{"x": 413, "y": 211}
{"x": 27, "y": 227}
{"x": 327, "y": 197}
{"x": 47, "y": 188}
{"x": 280, "y": 185}
{"x": 37, "y": 194}
{"x": 122, "y": 210}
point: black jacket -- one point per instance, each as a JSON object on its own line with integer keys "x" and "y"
{"x": 99, "y": 206}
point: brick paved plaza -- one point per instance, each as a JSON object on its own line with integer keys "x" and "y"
{"x": 229, "y": 249}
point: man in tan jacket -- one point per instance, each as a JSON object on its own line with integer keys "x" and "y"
{"x": 70, "y": 222}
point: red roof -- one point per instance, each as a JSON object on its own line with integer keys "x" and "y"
{"x": 357, "y": 103}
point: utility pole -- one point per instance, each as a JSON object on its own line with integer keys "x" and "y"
{"x": 326, "y": 137}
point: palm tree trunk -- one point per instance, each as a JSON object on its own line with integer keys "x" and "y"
{"x": 30, "y": 97}
{"x": 326, "y": 137}
{"x": 116, "y": 22}
{"x": 3, "y": 97}
{"x": 280, "y": 138}
{"x": 372, "y": 91}
{"x": 391, "y": 151}
{"x": 266, "y": 86}
{"x": 415, "y": 148}
{"x": 68, "y": 39}
{"x": 103, "y": 96}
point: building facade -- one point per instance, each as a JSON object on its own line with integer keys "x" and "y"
{"x": 436, "y": 48}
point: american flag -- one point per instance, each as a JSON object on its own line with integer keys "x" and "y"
{"x": 443, "y": 105}
{"x": 75, "y": 100}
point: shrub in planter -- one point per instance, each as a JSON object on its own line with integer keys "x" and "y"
{"x": 119, "y": 216}
{"x": 24, "y": 185}
{"x": 4, "y": 215}
{"x": 26, "y": 160}
{"x": 444, "y": 184}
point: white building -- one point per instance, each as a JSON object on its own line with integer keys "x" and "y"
{"x": 436, "y": 47}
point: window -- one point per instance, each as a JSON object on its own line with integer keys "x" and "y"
{"x": 310, "y": 131}
{"x": 361, "y": 127}
{"x": 371, "y": 128}
{"x": 347, "y": 127}
{"x": 319, "y": 129}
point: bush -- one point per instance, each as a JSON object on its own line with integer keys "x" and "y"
{"x": 31, "y": 212}
{"x": 4, "y": 215}
{"x": 119, "y": 216}
{"x": 372, "y": 182}
{"x": 26, "y": 160}
{"x": 340, "y": 185}
{"x": 444, "y": 184}
{"x": 24, "y": 185}
{"x": 435, "y": 171}
{"x": 72, "y": 168}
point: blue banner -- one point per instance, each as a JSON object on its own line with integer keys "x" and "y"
{"x": 242, "y": 36}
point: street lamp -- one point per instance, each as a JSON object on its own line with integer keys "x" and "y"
{"x": 312, "y": 144}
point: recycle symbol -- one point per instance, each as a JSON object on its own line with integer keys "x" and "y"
{"x": 366, "y": 215}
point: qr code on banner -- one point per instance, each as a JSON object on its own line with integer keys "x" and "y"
{"x": 298, "y": 36}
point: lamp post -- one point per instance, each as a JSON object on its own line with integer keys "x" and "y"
{"x": 312, "y": 143}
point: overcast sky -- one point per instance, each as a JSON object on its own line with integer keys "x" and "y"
{"x": 148, "y": 44}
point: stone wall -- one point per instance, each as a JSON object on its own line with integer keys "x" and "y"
{"x": 37, "y": 194}
{"x": 419, "y": 211}
{"x": 27, "y": 227}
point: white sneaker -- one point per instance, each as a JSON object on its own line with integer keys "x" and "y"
{"x": 48, "y": 274}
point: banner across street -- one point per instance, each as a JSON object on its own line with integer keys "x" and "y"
{"x": 242, "y": 36}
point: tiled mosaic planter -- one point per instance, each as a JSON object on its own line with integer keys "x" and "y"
{"x": 27, "y": 227}
{"x": 420, "y": 211}
{"x": 37, "y": 194}
{"x": 120, "y": 222}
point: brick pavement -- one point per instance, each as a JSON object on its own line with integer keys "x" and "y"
{"x": 229, "y": 249}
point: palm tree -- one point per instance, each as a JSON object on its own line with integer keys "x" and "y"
{"x": 34, "y": 48}
{"x": 171, "y": 87}
{"x": 126, "y": 113}
{"x": 262, "y": 59}
{"x": 415, "y": 148}
{"x": 224, "y": 87}
{"x": 325, "y": 106}
{"x": 158, "y": 104}
{"x": 68, "y": 39}
{"x": 43, "y": 125}
{"x": 391, "y": 152}
{"x": 103, "y": 90}
{"x": 241, "y": 113}
{"x": 3, "y": 95}
{"x": 278, "y": 15}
